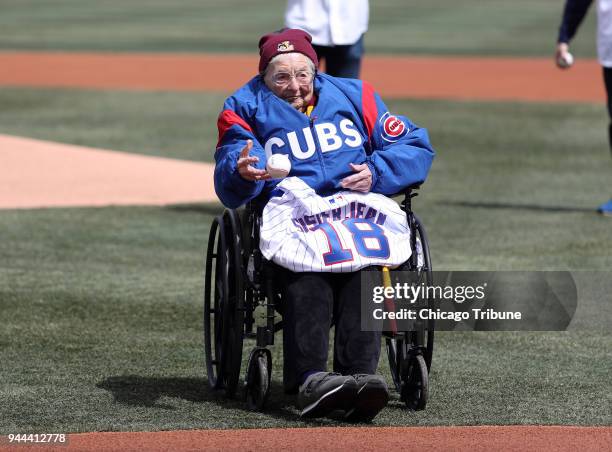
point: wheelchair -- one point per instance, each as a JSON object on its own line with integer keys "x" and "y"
{"x": 238, "y": 280}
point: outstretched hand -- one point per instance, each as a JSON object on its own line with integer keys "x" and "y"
{"x": 360, "y": 181}
{"x": 245, "y": 162}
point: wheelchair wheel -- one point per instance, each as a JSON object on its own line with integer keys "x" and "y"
{"x": 258, "y": 376}
{"x": 415, "y": 383}
{"x": 427, "y": 340}
{"x": 423, "y": 337}
{"x": 214, "y": 339}
{"x": 224, "y": 307}
{"x": 410, "y": 352}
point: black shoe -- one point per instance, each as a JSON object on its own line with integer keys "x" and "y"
{"x": 325, "y": 392}
{"x": 372, "y": 396}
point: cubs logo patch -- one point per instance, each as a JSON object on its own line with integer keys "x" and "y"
{"x": 393, "y": 128}
{"x": 284, "y": 46}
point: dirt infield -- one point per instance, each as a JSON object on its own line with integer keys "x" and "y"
{"x": 502, "y": 438}
{"x": 39, "y": 173}
{"x": 476, "y": 78}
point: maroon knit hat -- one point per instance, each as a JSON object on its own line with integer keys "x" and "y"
{"x": 286, "y": 40}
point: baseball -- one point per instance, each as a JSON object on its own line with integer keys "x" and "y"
{"x": 278, "y": 166}
{"x": 566, "y": 60}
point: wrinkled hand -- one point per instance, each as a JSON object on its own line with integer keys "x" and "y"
{"x": 360, "y": 181}
{"x": 561, "y": 51}
{"x": 245, "y": 168}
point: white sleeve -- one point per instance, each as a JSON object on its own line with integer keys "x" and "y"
{"x": 329, "y": 22}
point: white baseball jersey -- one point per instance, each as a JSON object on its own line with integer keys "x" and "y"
{"x": 346, "y": 232}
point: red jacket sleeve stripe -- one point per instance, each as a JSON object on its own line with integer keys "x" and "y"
{"x": 227, "y": 119}
{"x": 368, "y": 107}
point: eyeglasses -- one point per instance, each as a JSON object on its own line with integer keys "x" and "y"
{"x": 284, "y": 78}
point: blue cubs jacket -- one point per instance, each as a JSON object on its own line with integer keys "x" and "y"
{"x": 349, "y": 124}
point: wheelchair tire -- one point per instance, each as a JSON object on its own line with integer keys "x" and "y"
{"x": 407, "y": 346}
{"x": 258, "y": 376}
{"x": 224, "y": 304}
{"x": 428, "y": 340}
{"x": 414, "y": 389}
{"x": 215, "y": 314}
{"x": 234, "y": 318}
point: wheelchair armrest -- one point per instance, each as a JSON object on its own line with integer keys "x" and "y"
{"x": 407, "y": 191}
{"x": 408, "y": 194}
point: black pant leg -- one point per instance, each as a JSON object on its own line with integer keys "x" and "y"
{"x": 355, "y": 351}
{"x": 322, "y": 54}
{"x": 342, "y": 61}
{"x": 345, "y": 61}
{"x": 308, "y": 308}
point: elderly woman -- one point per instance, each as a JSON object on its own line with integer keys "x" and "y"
{"x": 345, "y": 148}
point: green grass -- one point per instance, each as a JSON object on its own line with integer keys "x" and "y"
{"x": 101, "y": 330}
{"x": 95, "y": 293}
{"x": 516, "y": 185}
{"x": 175, "y": 125}
{"x": 137, "y": 25}
{"x": 471, "y": 27}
